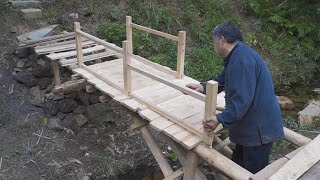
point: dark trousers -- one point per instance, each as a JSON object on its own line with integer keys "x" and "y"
{"x": 253, "y": 158}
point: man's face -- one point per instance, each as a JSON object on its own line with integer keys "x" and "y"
{"x": 218, "y": 45}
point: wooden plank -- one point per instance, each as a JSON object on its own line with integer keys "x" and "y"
{"x": 188, "y": 110}
{"x": 85, "y": 74}
{"x": 301, "y": 162}
{"x": 62, "y": 47}
{"x": 191, "y": 141}
{"x": 191, "y": 166}
{"x": 148, "y": 114}
{"x": 61, "y": 55}
{"x": 222, "y": 144}
{"x": 56, "y": 73}
{"x": 50, "y": 38}
{"x": 210, "y": 108}
{"x": 175, "y": 175}
{"x": 161, "y": 95}
{"x": 127, "y": 78}
{"x": 107, "y": 64}
{"x": 91, "y": 57}
{"x": 132, "y": 104}
{"x": 121, "y": 98}
{"x": 176, "y": 132}
{"x": 56, "y": 44}
{"x": 149, "y": 89}
{"x": 312, "y": 174}
{"x": 78, "y": 44}
{"x": 159, "y": 33}
{"x": 176, "y": 103}
{"x": 181, "y": 54}
{"x": 161, "y": 123}
{"x": 107, "y": 89}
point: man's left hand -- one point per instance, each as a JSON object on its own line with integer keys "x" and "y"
{"x": 210, "y": 124}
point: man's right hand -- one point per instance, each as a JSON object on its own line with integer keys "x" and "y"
{"x": 196, "y": 87}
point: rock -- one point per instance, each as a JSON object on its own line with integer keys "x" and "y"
{"x": 74, "y": 15}
{"x": 31, "y": 13}
{"x": 71, "y": 95}
{"x": 307, "y": 114}
{"x": 80, "y": 110}
{"x": 51, "y": 107}
{"x": 316, "y": 90}
{"x": 285, "y": 103}
{"x": 80, "y": 119}
{"x": 55, "y": 124}
{"x": 41, "y": 62}
{"x": 30, "y": 69}
{"x": 55, "y": 97}
{"x": 61, "y": 115}
{"x": 33, "y": 57}
{"x": 20, "y": 64}
{"x": 30, "y": 64}
{"x": 94, "y": 98}
{"x": 27, "y": 80}
{"x": 49, "y": 96}
{"x": 96, "y": 111}
{"x": 43, "y": 32}
{"x": 25, "y": 4}
{"x": 23, "y": 52}
{"x": 44, "y": 82}
{"x": 18, "y": 69}
{"x": 67, "y": 105}
{"x": 83, "y": 98}
{"x": 43, "y": 71}
{"x": 37, "y": 98}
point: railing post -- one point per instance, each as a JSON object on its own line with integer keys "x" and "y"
{"x": 210, "y": 108}
{"x": 126, "y": 70}
{"x": 78, "y": 44}
{"x": 181, "y": 54}
{"x": 129, "y": 32}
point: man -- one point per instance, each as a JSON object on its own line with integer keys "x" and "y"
{"x": 252, "y": 113}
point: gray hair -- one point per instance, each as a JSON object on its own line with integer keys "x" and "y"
{"x": 229, "y": 31}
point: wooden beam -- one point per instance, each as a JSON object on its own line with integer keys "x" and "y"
{"x": 159, "y": 33}
{"x": 69, "y": 86}
{"x": 295, "y": 138}
{"x": 190, "y": 166}
{"x": 78, "y": 44}
{"x": 129, "y": 32}
{"x": 127, "y": 78}
{"x": 181, "y": 54}
{"x": 301, "y": 162}
{"x": 222, "y": 144}
{"x": 175, "y": 175}
{"x": 50, "y": 38}
{"x": 222, "y": 163}
{"x": 210, "y": 108}
{"x": 56, "y": 73}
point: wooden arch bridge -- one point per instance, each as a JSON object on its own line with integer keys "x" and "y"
{"x": 158, "y": 97}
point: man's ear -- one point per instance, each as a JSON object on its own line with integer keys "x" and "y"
{"x": 222, "y": 40}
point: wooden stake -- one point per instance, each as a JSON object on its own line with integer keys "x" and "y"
{"x": 210, "y": 108}
{"x": 190, "y": 166}
{"x": 181, "y": 54}
{"x": 129, "y": 32}
{"x": 126, "y": 71}
{"x": 78, "y": 44}
{"x": 56, "y": 73}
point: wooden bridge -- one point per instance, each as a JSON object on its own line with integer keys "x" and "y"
{"x": 158, "y": 97}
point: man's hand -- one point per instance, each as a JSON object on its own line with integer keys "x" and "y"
{"x": 196, "y": 87}
{"x": 210, "y": 124}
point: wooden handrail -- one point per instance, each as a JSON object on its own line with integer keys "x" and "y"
{"x": 159, "y": 33}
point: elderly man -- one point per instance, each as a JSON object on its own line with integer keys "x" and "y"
{"x": 252, "y": 114}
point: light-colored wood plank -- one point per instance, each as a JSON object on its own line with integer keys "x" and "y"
{"x": 161, "y": 123}
{"x": 107, "y": 89}
{"x": 301, "y": 162}
{"x": 62, "y": 47}
{"x": 85, "y": 74}
{"x": 176, "y": 103}
{"x": 91, "y": 57}
{"x": 148, "y": 114}
{"x": 181, "y": 54}
{"x": 176, "y": 132}
{"x": 175, "y": 175}
{"x": 121, "y": 97}
{"x": 191, "y": 166}
{"x": 107, "y": 64}
{"x": 149, "y": 89}
{"x": 127, "y": 78}
{"x": 50, "y": 38}
{"x": 188, "y": 110}
{"x": 61, "y": 55}
{"x": 191, "y": 141}
{"x": 132, "y": 104}
{"x": 159, "y": 33}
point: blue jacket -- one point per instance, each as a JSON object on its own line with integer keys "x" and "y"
{"x": 252, "y": 113}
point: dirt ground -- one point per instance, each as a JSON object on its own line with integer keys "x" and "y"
{"x": 101, "y": 149}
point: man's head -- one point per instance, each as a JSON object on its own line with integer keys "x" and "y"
{"x": 225, "y": 36}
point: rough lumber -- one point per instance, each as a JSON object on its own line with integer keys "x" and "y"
{"x": 181, "y": 54}
{"x": 127, "y": 78}
{"x": 69, "y": 86}
{"x": 56, "y": 73}
{"x": 50, "y": 38}
{"x": 190, "y": 166}
{"x": 159, "y": 33}
{"x": 295, "y": 138}
{"x": 175, "y": 175}
{"x": 67, "y": 62}
{"x": 301, "y": 162}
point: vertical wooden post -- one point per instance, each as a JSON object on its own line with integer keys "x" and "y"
{"x": 181, "y": 54}
{"x": 56, "y": 73}
{"x": 190, "y": 166}
{"x": 78, "y": 44}
{"x": 210, "y": 108}
{"x": 126, "y": 70}
{"x": 129, "y": 32}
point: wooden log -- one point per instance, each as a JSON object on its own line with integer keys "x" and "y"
{"x": 222, "y": 163}
{"x": 78, "y": 44}
{"x": 159, "y": 33}
{"x": 90, "y": 88}
{"x": 190, "y": 166}
{"x": 69, "y": 86}
{"x": 222, "y": 144}
{"x": 56, "y": 73}
{"x": 210, "y": 108}
{"x": 175, "y": 175}
{"x": 127, "y": 78}
{"x": 181, "y": 54}
{"x": 295, "y": 138}
{"x": 301, "y": 162}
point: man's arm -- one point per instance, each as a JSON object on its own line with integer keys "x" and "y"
{"x": 219, "y": 79}
{"x": 241, "y": 88}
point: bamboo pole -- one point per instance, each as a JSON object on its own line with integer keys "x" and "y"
{"x": 181, "y": 54}
{"x": 126, "y": 70}
{"x": 78, "y": 44}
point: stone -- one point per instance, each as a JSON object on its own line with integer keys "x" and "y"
{"x": 33, "y": 57}
{"x": 43, "y": 32}
{"x": 43, "y": 71}
{"x": 31, "y": 13}
{"x": 316, "y": 90}
{"x": 25, "y": 4}
{"x": 23, "y": 52}
{"x": 67, "y": 105}
{"x": 71, "y": 95}
{"x": 55, "y": 124}
{"x": 83, "y": 98}
{"x": 285, "y": 103}
{"x": 74, "y": 15}
{"x": 30, "y": 64}
{"x": 44, "y": 82}
{"x": 18, "y": 69}
{"x": 94, "y": 98}
{"x": 61, "y": 115}
{"x": 80, "y": 110}
{"x": 30, "y": 69}
{"x": 41, "y": 62}
{"x": 58, "y": 96}
{"x": 27, "y": 80}
{"x": 37, "y": 98}
{"x": 20, "y": 64}
{"x": 307, "y": 115}
{"x": 49, "y": 96}
{"x": 96, "y": 111}
{"x": 80, "y": 119}
{"x": 51, "y": 107}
